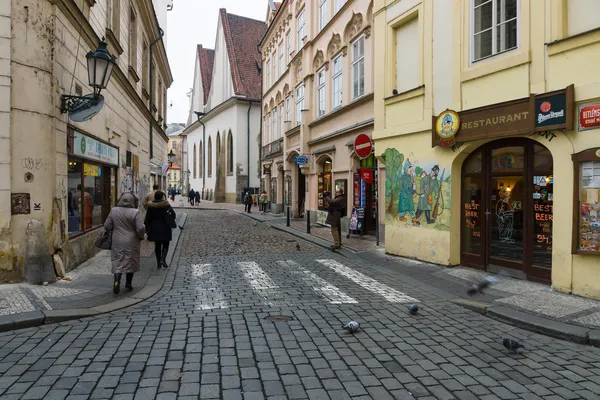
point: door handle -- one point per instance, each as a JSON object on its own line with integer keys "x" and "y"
{"x": 487, "y": 213}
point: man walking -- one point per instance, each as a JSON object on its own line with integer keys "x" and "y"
{"x": 334, "y": 216}
{"x": 150, "y": 196}
{"x": 191, "y": 196}
{"x": 248, "y": 203}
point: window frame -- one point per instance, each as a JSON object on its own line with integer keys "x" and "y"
{"x": 281, "y": 59}
{"x": 337, "y": 75}
{"x": 579, "y": 158}
{"x": 321, "y": 91}
{"x": 301, "y": 28}
{"x": 288, "y": 40}
{"x": 274, "y": 123}
{"x": 229, "y": 153}
{"x": 493, "y": 28}
{"x": 323, "y": 14}
{"x": 267, "y": 128}
{"x": 339, "y": 4}
{"x": 281, "y": 118}
{"x": 268, "y": 73}
{"x": 274, "y": 66}
{"x": 288, "y": 108}
{"x": 299, "y": 104}
{"x": 359, "y": 61}
{"x": 133, "y": 37}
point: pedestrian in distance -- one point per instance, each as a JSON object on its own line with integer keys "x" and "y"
{"x": 124, "y": 223}
{"x": 150, "y": 196}
{"x": 334, "y": 216}
{"x": 159, "y": 228}
{"x": 264, "y": 199}
{"x": 197, "y": 196}
{"x": 191, "y": 196}
{"x": 248, "y": 202}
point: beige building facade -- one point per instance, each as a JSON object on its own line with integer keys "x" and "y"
{"x": 317, "y": 97}
{"x": 487, "y": 116}
{"x": 63, "y": 174}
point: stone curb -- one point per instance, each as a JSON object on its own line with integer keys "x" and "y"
{"x": 36, "y": 318}
{"x": 257, "y": 218}
{"x": 314, "y": 240}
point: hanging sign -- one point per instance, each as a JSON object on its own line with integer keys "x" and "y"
{"x": 90, "y": 148}
{"x": 301, "y": 160}
{"x": 363, "y": 146}
{"x": 447, "y": 125}
{"x": 589, "y": 116}
{"x": 366, "y": 174}
{"x": 267, "y": 169}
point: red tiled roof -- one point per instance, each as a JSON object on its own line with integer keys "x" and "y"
{"x": 207, "y": 58}
{"x": 242, "y": 36}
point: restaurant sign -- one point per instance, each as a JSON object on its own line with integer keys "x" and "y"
{"x": 589, "y": 116}
{"x": 92, "y": 149}
{"x": 553, "y": 110}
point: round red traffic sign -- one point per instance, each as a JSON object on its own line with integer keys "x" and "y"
{"x": 363, "y": 146}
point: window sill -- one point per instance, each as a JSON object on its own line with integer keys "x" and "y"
{"x": 80, "y": 234}
{"x": 586, "y": 253}
{"x": 133, "y": 74}
{"x": 406, "y": 95}
{"x": 574, "y": 42}
{"x": 494, "y": 64}
{"x": 336, "y": 111}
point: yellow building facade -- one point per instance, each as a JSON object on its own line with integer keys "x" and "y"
{"x": 487, "y": 122}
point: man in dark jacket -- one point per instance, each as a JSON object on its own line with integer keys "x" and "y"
{"x": 248, "y": 202}
{"x": 335, "y": 212}
{"x": 191, "y": 196}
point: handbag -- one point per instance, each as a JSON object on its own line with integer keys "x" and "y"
{"x": 104, "y": 240}
{"x": 170, "y": 218}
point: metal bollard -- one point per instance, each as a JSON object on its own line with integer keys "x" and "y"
{"x": 308, "y": 222}
{"x": 288, "y": 217}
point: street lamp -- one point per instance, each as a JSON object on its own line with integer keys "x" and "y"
{"x": 100, "y": 65}
{"x": 171, "y": 157}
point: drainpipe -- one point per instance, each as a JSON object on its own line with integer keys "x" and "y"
{"x": 161, "y": 33}
{"x": 260, "y": 120}
{"x": 249, "y": 108}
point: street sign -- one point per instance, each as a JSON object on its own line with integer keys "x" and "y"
{"x": 363, "y": 146}
{"x": 301, "y": 160}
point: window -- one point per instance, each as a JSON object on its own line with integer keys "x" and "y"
{"x": 209, "y": 150}
{"x": 494, "y": 27}
{"x": 339, "y": 4}
{"x": 324, "y": 183}
{"x": 281, "y": 119}
{"x": 174, "y": 145}
{"x": 145, "y": 64}
{"x": 408, "y": 62}
{"x": 587, "y": 170}
{"x": 230, "y": 153}
{"x": 113, "y": 17}
{"x": 194, "y": 158}
{"x": 274, "y": 122}
{"x": 358, "y": 68}
{"x": 268, "y": 73}
{"x": 301, "y": 29}
{"x": 159, "y": 99}
{"x": 281, "y": 61}
{"x": 288, "y": 44}
{"x": 299, "y": 103}
{"x": 321, "y": 92}
{"x": 274, "y": 67}
{"x": 337, "y": 82}
{"x": 322, "y": 14}
{"x": 267, "y": 127}
{"x": 288, "y": 108}
{"x": 201, "y": 156}
{"x": 132, "y": 39}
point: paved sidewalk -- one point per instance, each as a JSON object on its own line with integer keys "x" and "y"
{"x": 181, "y": 202}
{"x": 533, "y": 306}
{"x": 85, "y": 291}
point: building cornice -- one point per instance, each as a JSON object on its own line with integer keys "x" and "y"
{"x": 366, "y": 98}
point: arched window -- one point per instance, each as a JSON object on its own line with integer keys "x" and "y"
{"x": 201, "y": 156}
{"x": 230, "y": 153}
{"x": 194, "y": 161}
{"x": 218, "y": 149}
{"x": 209, "y": 152}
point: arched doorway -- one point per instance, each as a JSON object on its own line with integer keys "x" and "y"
{"x": 507, "y": 196}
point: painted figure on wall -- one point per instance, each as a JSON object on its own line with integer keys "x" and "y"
{"x": 407, "y": 192}
{"x": 505, "y": 217}
{"x": 409, "y": 187}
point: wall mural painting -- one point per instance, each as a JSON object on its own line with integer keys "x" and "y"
{"x": 416, "y": 195}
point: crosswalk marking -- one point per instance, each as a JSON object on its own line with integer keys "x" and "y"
{"x": 318, "y": 284}
{"x": 390, "y": 294}
{"x": 261, "y": 283}
{"x": 210, "y": 296}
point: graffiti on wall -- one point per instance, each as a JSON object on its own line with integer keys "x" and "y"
{"x": 416, "y": 195}
{"x": 131, "y": 181}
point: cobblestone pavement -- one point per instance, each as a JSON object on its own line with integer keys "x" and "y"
{"x": 205, "y": 335}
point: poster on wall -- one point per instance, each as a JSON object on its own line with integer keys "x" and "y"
{"x": 357, "y": 219}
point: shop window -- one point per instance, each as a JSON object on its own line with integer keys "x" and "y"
{"x": 586, "y": 238}
{"x": 273, "y": 190}
{"x": 324, "y": 184}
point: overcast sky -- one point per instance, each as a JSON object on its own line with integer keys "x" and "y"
{"x": 193, "y": 22}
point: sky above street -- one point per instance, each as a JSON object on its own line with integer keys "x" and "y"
{"x": 193, "y": 22}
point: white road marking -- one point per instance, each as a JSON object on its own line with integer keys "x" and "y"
{"x": 209, "y": 295}
{"x": 318, "y": 284}
{"x": 370, "y": 284}
{"x": 261, "y": 282}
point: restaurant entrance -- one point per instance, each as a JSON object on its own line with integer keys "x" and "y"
{"x": 507, "y": 196}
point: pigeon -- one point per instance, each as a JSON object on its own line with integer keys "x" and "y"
{"x": 413, "y": 309}
{"x": 512, "y": 345}
{"x": 352, "y": 327}
{"x": 298, "y": 246}
{"x": 483, "y": 284}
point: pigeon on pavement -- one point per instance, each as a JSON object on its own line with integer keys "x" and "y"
{"x": 352, "y": 326}
{"x": 512, "y": 345}
{"x": 413, "y": 309}
{"x": 297, "y": 246}
{"x": 483, "y": 284}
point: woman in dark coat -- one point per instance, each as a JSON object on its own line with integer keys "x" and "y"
{"x": 158, "y": 228}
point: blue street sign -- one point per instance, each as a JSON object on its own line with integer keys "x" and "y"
{"x": 301, "y": 160}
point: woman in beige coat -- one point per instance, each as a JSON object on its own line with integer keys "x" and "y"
{"x": 125, "y": 224}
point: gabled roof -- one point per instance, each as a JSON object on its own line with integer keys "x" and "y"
{"x": 206, "y": 58}
{"x": 242, "y": 36}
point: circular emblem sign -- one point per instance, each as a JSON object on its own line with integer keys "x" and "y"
{"x": 446, "y": 127}
{"x": 545, "y": 106}
{"x": 363, "y": 146}
{"x": 83, "y": 145}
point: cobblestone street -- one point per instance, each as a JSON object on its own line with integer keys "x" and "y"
{"x": 207, "y": 334}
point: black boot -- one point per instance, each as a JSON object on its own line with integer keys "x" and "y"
{"x": 158, "y": 258}
{"x": 117, "y": 284}
{"x": 128, "y": 279}
{"x": 164, "y": 256}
